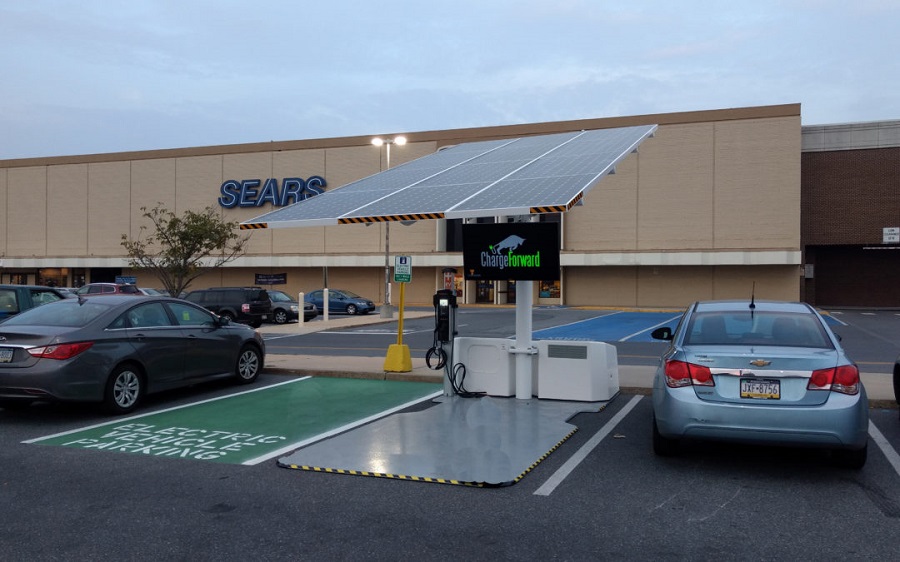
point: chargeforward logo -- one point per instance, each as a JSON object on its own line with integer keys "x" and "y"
{"x": 502, "y": 255}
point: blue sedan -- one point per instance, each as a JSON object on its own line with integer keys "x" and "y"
{"x": 340, "y": 301}
{"x": 761, "y": 372}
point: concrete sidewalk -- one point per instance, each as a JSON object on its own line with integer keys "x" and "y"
{"x": 633, "y": 379}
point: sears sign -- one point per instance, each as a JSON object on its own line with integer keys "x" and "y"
{"x": 255, "y": 193}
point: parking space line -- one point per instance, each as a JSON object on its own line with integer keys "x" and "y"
{"x": 557, "y": 477}
{"x": 885, "y": 447}
{"x": 153, "y": 413}
{"x": 650, "y": 329}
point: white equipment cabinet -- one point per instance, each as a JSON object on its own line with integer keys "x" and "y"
{"x": 577, "y": 370}
{"x": 490, "y": 367}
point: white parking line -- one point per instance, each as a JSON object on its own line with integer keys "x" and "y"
{"x": 342, "y": 429}
{"x": 650, "y": 329}
{"x": 556, "y": 479}
{"x": 885, "y": 447}
{"x": 172, "y": 409}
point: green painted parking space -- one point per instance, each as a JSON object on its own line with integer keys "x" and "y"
{"x": 252, "y": 426}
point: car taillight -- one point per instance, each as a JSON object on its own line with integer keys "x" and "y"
{"x": 61, "y": 351}
{"x": 245, "y": 308}
{"x": 843, "y": 379}
{"x": 680, "y": 373}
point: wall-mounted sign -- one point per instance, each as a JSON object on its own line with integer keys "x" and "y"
{"x": 270, "y": 279}
{"x": 891, "y": 235}
{"x": 256, "y": 193}
{"x": 525, "y": 251}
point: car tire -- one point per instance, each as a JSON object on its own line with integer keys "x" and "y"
{"x": 663, "y": 446}
{"x": 124, "y": 390}
{"x": 249, "y": 364}
{"x": 280, "y": 316}
{"x": 851, "y": 458}
{"x": 351, "y": 309}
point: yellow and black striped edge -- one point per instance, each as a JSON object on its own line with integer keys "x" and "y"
{"x": 383, "y": 475}
{"x": 544, "y": 456}
{"x": 436, "y": 480}
{"x": 557, "y": 208}
{"x": 390, "y": 218}
{"x": 254, "y": 226}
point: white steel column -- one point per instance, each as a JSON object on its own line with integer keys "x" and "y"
{"x": 523, "y": 348}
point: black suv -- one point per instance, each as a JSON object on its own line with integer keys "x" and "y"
{"x": 247, "y": 305}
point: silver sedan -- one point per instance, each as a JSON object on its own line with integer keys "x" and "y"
{"x": 762, "y": 372}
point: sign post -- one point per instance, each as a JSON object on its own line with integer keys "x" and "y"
{"x": 398, "y": 359}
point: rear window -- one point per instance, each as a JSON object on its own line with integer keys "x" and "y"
{"x": 8, "y": 302}
{"x": 66, "y": 312}
{"x": 759, "y": 328}
{"x": 258, "y": 295}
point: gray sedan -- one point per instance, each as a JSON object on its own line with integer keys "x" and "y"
{"x": 116, "y": 349}
{"x": 758, "y": 372}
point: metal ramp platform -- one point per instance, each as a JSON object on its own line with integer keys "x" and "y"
{"x": 484, "y": 441}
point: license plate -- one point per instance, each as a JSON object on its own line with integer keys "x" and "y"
{"x": 765, "y": 389}
{"x": 265, "y": 317}
{"x": 6, "y": 354}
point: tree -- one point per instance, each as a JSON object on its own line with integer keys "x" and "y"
{"x": 181, "y": 248}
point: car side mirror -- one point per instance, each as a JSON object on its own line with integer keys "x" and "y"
{"x": 664, "y": 333}
{"x": 223, "y": 321}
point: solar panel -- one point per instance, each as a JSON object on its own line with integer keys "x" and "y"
{"x": 536, "y": 174}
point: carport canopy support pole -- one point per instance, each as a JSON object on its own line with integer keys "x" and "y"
{"x": 523, "y": 349}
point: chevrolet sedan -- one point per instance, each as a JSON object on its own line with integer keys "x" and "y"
{"x": 117, "y": 349}
{"x": 760, "y": 372}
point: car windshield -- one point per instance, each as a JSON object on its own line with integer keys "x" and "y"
{"x": 759, "y": 328}
{"x": 278, "y": 296}
{"x": 350, "y": 294}
{"x": 68, "y": 312}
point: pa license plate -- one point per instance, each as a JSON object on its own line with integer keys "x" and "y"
{"x": 765, "y": 389}
{"x": 6, "y": 354}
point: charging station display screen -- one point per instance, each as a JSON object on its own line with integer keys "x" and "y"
{"x": 521, "y": 251}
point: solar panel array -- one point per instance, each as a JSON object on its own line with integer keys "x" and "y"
{"x": 545, "y": 173}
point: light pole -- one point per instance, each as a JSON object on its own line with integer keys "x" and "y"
{"x": 386, "y": 311}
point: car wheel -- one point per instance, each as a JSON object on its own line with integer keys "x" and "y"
{"x": 124, "y": 390}
{"x": 280, "y": 316}
{"x": 249, "y": 364}
{"x": 351, "y": 309}
{"x": 854, "y": 459}
{"x": 663, "y": 446}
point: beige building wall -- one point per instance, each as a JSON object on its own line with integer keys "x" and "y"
{"x": 4, "y": 211}
{"x": 109, "y": 207}
{"x": 26, "y": 221}
{"x": 67, "y": 210}
{"x": 708, "y": 205}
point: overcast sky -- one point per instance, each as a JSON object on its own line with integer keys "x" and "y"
{"x": 94, "y": 76}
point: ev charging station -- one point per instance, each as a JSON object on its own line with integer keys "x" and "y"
{"x": 513, "y": 177}
{"x": 523, "y": 251}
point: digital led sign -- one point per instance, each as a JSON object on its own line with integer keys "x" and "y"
{"x": 519, "y": 251}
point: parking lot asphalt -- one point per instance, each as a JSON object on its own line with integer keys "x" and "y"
{"x": 633, "y": 379}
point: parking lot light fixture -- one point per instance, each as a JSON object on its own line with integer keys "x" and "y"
{"x": 386, "y": 311}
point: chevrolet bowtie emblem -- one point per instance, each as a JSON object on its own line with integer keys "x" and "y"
{"x": 760, "y": 362}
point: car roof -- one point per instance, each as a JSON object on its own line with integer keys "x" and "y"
{"x": 14, "y": 286}
{"x": 760, "y": 306}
